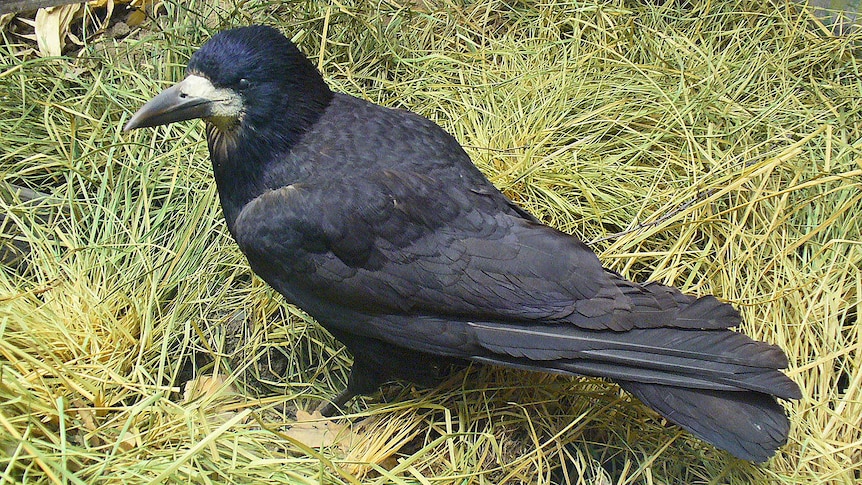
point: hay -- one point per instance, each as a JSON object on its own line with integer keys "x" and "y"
{"x": 714, "y": 146}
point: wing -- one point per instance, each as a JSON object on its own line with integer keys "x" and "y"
{"x": 400, "y": 242}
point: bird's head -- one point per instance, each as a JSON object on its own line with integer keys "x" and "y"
{"x": 249, "y": 77}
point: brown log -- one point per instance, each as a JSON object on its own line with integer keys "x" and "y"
{"x": 18, "y": 6}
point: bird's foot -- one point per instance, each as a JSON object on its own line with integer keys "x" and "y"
{"x": 333, "y": 407}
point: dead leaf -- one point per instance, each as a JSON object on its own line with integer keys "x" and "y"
{"x": 87, "y": 415}
{"x": 131, "y": 440}
{"x": 206, "y": 386}
{"x": 109, "y": 6}
{"x": 52, "y": 27}
{"x": 316, "y": 431}
{"x": 136, "y": 18}
{"x": 88, "y": 418}
{"x": 5, "y": 19}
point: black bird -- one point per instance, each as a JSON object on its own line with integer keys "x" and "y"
{"x": 376, "y": 223}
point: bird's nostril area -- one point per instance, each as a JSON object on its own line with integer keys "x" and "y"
{"x": 184, "y": 95}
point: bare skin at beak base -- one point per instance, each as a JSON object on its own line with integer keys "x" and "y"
{"x": 172, "y": 104}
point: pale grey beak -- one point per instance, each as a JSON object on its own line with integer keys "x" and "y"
{"x": 172, "y": 104}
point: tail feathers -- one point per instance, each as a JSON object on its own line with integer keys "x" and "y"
{"x": 707, "y": 359}
{"x": 749, "y": 425}
{"x": 771, "y": 382}
{"x": 673, "y": 351}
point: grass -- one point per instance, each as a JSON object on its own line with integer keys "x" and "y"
{"x": 714, "y": 146}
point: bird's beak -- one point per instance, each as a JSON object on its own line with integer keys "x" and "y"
{"x": 185, "y": 100}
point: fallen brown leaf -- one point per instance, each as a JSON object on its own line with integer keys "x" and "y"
{"x": 316, "y": 431}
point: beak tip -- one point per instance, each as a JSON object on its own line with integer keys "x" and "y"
{"x": 133, "y": 123}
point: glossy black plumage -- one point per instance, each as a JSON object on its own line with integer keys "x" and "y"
{"x": 376, "y": 223}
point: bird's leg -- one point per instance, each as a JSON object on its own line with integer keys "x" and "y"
{"x": 333, "y": 407}
{"x": 366, "y": 376}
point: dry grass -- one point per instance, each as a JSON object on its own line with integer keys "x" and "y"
{"x": 715, "y": 147}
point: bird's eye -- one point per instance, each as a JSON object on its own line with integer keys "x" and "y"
{"x": 244, "y": 83}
